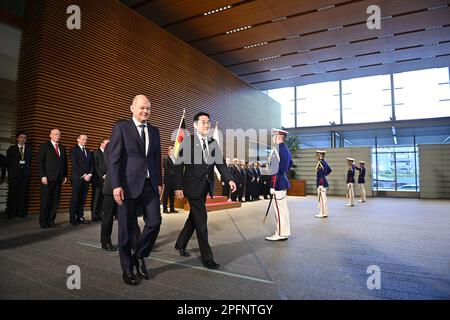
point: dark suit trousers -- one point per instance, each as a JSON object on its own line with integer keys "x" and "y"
{"x": 129, "y": 228}
{"x": 50, "y": 196}
{"x": 17, "y": 196}
{"x": 197, "y": 221}
{"x": 109, "y": 208}
{"x": 79, "y": 194}
{"x": 169, "y": 193}
{"x": 97, "y": 199}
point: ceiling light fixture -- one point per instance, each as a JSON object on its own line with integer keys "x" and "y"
{"x": 217, "y": 10}
{"x": 238, "y": 29}
{"x": 255, "y": 45}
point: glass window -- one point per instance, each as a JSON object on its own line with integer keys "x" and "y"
{"x": 422, "y": 94}
{"x": 366, "y": 99}
{"x": 395, "y": 169}
{"x": 318, "y": 104}
{"x": 285, "y": 96}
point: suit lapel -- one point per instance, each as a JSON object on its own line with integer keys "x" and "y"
{"x": 134, "y": 131}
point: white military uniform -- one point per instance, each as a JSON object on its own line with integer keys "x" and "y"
{"x": 280, "y": 162}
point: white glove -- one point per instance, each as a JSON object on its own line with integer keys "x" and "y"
{"x": 272, "y": 191}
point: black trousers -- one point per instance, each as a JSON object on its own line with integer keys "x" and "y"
{"x": 226, "y": 189}
{"x": 50, "y": 196}
{"x": 169, "y": 194}
{"x": 109, "y": 208}
{"x": 129, "y": 230}
{"x": 78, "y": 199}
{"x": 97, "y": 199}
{"x": 17, "y": 196}
{"x": 197, "y": 220}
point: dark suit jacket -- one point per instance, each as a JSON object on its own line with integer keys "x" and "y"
{"x": 169, "y": 171}
{"x": 3, "y": 166}
{"x": 13, "y": 158}
{"x": 99, "y": 166}
{"x": 81, "y": 164}
{"x": 50, "y": 165}
{"x": 192, "y": 177}
{"x": 128, "y": 162}
{"x": 107, "y": 189}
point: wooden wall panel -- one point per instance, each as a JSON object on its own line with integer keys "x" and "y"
{"x": 433, "y": 173}
{"x": 82, "y": 81}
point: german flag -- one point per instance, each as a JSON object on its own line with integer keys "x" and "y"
{"x": 180, "y": 135}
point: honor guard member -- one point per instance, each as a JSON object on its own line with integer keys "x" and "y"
{"x": 350, "y": 182}
{"x": 322, "y": 170}
{"x": 280, "y": 163}
{"x": 361, "y": 180}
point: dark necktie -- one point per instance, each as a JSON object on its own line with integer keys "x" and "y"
{"x": 142, "y": 126}
{"x": 205, "y": 151}
{"x": 84, "y": 151}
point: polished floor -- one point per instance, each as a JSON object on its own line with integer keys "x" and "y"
{"x": 407, "y": 239}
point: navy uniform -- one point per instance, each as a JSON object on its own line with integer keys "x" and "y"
{"x": 322, "y": 170}
{"x": 281, "y": 162}
{"x": 361, "y": 180}
{"x": 351, "y": 182}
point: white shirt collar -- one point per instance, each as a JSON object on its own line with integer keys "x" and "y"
{"x": 54, "y": 143}
{"x": 81, "y": 147}
{"x": 21, "y": 145}
{"x": 200, "y": 137}
{"x": 102, "y": 150}
{"x": 137, "y": 123}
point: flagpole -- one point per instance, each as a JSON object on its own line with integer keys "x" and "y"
{"x": 179, "y": 126}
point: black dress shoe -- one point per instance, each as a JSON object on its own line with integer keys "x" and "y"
{"x": 211, "y": 264}
{"x": 55, "y": 225}
{"x": 165, "y": 211}
{"x": 182, "y": 251}
{"x": 108, "y": 247}
{"x": 45, "y": 226}
{"x": 82, "y": 221}
{"x": 173, "y": 211}
{"x": 129, "y": 278}
{"x": 141, "y": 268}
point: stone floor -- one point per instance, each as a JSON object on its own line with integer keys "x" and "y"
{"x": 407, "y": 239}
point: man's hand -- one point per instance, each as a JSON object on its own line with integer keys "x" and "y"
{"x": 160, "y": 188}
{"x": 87, "y": 178}
{"x": 44, "y": 180}
{"x": 64, "y": 180}
{"x": 118, "y": 195}
{"x": 272, "y": 191}
{"x": 179, "y": 194}
{"x": 232, "y": 186}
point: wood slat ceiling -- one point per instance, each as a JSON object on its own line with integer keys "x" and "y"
{"x": 309, "y": 41}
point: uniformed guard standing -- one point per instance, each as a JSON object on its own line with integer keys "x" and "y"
{"x": 280, "y": 163}
{"x": 361, "y": 180}
{"x": 350, "y": 182}
{"x": 322, "y": 170}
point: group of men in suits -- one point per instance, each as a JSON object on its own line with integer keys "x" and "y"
{"x": 252, "y": 181}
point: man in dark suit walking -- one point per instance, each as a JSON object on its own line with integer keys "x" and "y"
{"x": 134, "y": 168}
{"x": 97, "y": 180}
{"x": 169, "y": 181}
{"x": 53, "y": 172}
{"x": 82, "y": 171}
{"x": 194, "y": 175}
{"x": 18, "y": 160}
